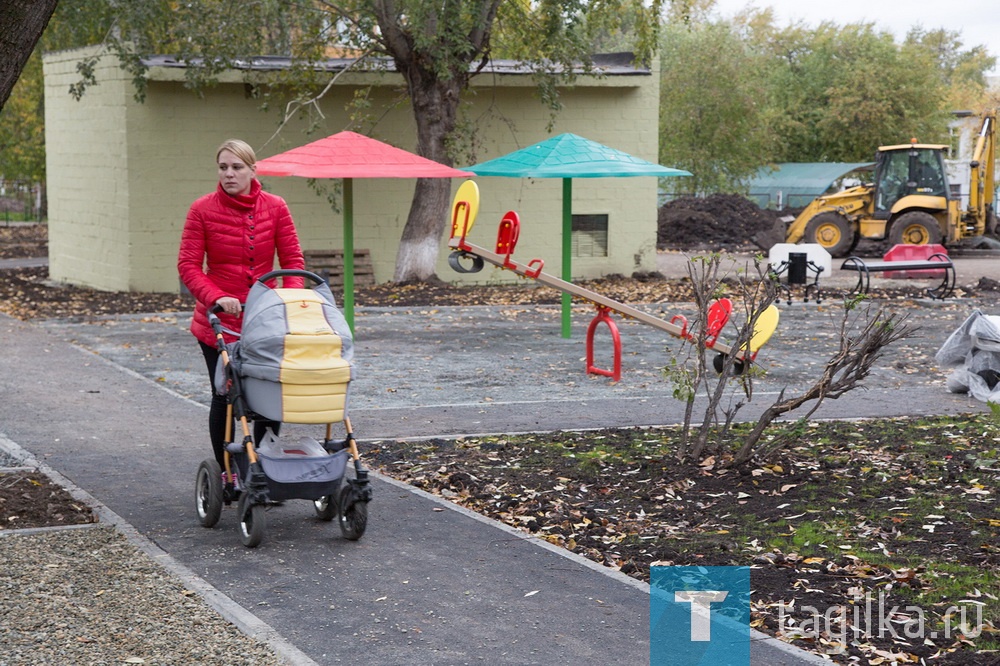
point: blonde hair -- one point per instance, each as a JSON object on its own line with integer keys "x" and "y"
{"x": 239, "y": 148}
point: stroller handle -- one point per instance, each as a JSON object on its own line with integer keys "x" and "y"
{"x": 213, "y": 315}
{"x": 291, "y": 272}
{"x": 215, "y": 309}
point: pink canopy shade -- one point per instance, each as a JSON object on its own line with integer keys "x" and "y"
{"x": 352, "y": 155}
{"x": 348, "y": 155}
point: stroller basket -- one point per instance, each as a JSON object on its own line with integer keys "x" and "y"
{"x": 303, "y": 477}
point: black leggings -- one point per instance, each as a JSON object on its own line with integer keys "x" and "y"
{"x": 218, "y": 409}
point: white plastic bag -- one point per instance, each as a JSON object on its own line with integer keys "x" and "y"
{"x": 299, "y": 447}
{"x": 974, "y": 351}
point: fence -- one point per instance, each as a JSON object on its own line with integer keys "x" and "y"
{"x": 22, "y": 202}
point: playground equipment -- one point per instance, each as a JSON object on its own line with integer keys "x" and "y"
{"x": 799, "y": 265}
{"x": 465, "y": 208}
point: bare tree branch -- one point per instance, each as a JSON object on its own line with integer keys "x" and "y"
{"x": 296, "y": 105}
{"x": 857, "y": 354}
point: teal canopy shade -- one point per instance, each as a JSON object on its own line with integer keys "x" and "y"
{"x": 569, "y": 156}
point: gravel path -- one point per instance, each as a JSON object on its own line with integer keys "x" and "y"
{"x": 88, "y": 596}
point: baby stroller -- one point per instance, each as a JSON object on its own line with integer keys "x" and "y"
{"x": 292, "y": 364}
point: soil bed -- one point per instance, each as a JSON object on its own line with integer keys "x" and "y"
{"x": 902, "y": 510}
{"x": 30, "y": 499}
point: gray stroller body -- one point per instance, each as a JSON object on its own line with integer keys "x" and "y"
{"x": 292, "y": 364}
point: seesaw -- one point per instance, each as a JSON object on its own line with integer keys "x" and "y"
{"x": 465, "y": 208}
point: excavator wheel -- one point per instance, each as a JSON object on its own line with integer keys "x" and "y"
{"x": 833, "y": 232}
{"x": 915, "y": 228}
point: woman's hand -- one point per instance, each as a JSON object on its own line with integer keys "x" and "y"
{"x": 229, "y": 305}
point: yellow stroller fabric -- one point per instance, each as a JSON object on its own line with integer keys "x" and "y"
{"x": 294, "y": 355}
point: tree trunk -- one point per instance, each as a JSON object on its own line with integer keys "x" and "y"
{"x": 421, "y": 241}
{"x": 435, "y": 108}
{"x": 436, "y": 72}
{"x": 21, "y": 25}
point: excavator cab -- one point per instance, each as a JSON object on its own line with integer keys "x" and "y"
{"x": 901, "y": 171}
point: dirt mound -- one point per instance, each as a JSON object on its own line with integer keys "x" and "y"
{"x": 716, "y": 222}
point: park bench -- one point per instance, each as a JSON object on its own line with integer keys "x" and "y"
{"x": 907, "y": 261}
{"x": 329, "y": 264}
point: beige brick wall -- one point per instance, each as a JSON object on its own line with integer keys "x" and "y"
{"x": 122, "y": 174}
{"x": 87, "y": 175}
{"x": 624, "y": 118}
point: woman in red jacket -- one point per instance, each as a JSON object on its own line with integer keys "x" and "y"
{"x": 230, "y": 239}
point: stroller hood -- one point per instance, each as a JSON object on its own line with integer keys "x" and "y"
{"x": 295, "y": 354}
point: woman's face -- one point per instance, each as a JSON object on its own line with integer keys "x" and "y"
{"x": 235, "y": 175}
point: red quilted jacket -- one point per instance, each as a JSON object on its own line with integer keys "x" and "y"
{"x": 227, "y": 243}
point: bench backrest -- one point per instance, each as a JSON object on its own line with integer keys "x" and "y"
{"x": 815, "y": 253}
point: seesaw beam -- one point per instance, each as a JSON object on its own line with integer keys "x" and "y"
{"x": 507, "y": 263}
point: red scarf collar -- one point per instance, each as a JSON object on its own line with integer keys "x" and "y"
{"x": 240, "y": 201}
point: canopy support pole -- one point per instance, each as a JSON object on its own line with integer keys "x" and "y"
{"x": 349, "y": 252}
{"x": 567, "y": 255}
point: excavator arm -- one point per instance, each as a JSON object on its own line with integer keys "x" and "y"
{"x": 982, "y": 183}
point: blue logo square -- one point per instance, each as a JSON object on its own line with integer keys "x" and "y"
{"x": 699, "y": 615}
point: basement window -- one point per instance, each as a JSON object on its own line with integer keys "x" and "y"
{"x": 590, "y": 235}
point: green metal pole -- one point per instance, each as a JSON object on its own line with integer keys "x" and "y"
{"x": 567, "y": 254}
{"x": 349, "y": 252}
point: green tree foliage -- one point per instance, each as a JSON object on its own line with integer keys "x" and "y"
{"x": 735, "y": 95}
{"x": 713, "y": 109}
{"x": 22, "y": 119}
{"x": 962, "y": 71}
{"x": 22, "y": 137}
{"x": 742, "y": 93}
{"x": 844, "y": 90}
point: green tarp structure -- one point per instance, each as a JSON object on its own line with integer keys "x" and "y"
{"x": 796, "y": 184}
{"x": 569, "y": 156}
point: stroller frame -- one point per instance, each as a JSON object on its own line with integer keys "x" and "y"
{"x": 244, "y": 479}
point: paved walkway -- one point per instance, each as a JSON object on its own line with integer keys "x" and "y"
{"x": 31, "y": 262}
{"x": 117, "y": 406}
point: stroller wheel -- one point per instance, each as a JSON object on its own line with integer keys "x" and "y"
{"x": 208, "y": 493}
{"x": 326, "y": 508}
{"x": 252, "y": 522}
{"x": 353, "y": 514}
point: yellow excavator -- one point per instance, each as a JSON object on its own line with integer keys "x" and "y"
{"x": 910, "y": 200}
